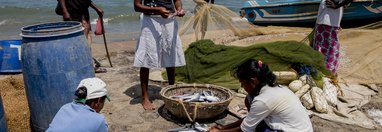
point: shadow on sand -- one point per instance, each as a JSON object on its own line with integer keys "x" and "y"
{"x": 135, "y": 93}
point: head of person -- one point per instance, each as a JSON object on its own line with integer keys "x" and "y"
{"x": 254, "y": 75}
{"x": 92, "y": 92}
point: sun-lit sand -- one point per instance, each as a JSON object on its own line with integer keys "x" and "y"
{"x": 125, "y": 113}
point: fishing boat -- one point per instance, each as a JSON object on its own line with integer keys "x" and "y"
{"x": 304, "y": 12}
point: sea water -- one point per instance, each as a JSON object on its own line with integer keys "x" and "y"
{"x": 121, "y": 21}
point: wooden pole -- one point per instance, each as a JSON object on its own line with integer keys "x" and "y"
{"x": 104, "y": 40}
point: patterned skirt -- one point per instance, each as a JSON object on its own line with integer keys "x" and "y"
{"x": 326, "y": 42}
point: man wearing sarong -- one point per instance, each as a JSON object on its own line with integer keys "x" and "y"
{"x": 159, "y": 44}
{"x": 326, "y": 31}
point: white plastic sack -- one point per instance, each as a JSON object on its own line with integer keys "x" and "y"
{"x": 303, "y": 90}
{"x": 330, "y": 92}
{"x": 319, "y": 100}
{"x": 295, "y": 85}
{"x": 307, "y": 101}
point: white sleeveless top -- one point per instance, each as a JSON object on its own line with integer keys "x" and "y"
{"x": 329, "y": 16}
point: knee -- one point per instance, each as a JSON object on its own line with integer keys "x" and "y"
{"x": 86, "y": 26}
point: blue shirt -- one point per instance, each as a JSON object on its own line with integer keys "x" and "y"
{"x": 76, "y": 117}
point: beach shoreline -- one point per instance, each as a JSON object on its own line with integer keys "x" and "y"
{"x": 125, "y": 113}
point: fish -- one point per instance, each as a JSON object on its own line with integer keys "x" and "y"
{"x": 205, "y": 93}
{"x": 194, "y": 98}
{"x": 201, "y": 127}
{"x": 191, "y": 128}
{"x": 181, "y": 96}
{"x": 212, "y": 99}
{"x": 204, "y": 96}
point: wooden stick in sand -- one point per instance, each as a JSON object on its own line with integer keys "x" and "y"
{"x": 104, "y": 40}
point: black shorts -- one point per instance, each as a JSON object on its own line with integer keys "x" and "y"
{"x": 78, "y": 9}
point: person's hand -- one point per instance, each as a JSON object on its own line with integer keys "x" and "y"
{"x": 100, "y": 12}
{"x": 214, "y": 129}
{"x": 217, "y": 126}
{"x": 331, "y": 4}
{"x": 66, "y": 17}
{"x": 164, "y": 12}
{"x": 181, "y": 13}
{"x": 200, "y": 2}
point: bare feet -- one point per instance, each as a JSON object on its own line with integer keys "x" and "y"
{"x": 147, "y": 105}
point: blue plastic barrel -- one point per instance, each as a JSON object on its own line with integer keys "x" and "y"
{"x": 3, "y": 121}
{"x": 10, "y": 53}
{"x": 55, "y": 58}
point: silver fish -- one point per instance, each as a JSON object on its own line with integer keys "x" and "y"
{"x": 191, "y": 128}
{"x": 204, "y": 96}
{"x": 193, "y": 98}
{"x": 212, "y": 99}
{"x": 181, "y": 96}
{"x": 205, "y": 93}
{"x": 201, "y": 127}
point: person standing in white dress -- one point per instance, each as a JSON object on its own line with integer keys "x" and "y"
{"x": 159, "y": 44}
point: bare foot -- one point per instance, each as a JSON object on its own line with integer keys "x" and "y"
{"x": 147, "y": 105}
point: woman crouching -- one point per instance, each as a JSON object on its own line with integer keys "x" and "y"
{"x": 271, "y": 107}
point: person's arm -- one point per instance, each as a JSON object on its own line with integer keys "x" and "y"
{"x": 258, "y": 112}
{"x": 179, "y": 8}
{"x": 97, "y": 9}
{"x": 235, "y": 124}
{"x": 335, "y": 5}
{"x": 236, "y": 129}
{"x": 139, "y": 7}
{"x": 65, "y": 15}
{"x": 103, "y": 127}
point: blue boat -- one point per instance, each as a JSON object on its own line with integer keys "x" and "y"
{"x": 304, "y": 12}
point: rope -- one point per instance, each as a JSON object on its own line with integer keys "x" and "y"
{"x": 334, "y": 81}
{"x": 195, "y": 110}
{"x": 185, "y": 111}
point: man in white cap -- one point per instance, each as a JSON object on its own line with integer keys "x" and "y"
{"x": 82, "y": 115}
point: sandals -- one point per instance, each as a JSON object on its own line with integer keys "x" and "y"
{"x": 99, "y": 70}
{"x": 97, "y": 67}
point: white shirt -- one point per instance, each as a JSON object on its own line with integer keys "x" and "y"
{"x": 329, "y": 16}
{"x": 280, "y": 109}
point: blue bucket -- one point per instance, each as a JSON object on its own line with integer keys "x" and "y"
{"x": 55, "y": 58}
{"x": 10, "y": 53}
{"x": 3, "y": 121}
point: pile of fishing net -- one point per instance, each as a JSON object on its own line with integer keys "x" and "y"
{"x": 360, "y": 52}
{"x": 211, "y": 63}
{"x": 209, "y": 18}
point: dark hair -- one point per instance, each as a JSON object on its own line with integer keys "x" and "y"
{"x": 81, "y": 94}
{"x": 255, "y": 69}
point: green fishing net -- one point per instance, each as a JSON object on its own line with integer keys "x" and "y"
{"x": 211, "y": 63}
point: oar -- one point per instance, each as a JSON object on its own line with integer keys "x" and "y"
{"x": 104, "y": 40}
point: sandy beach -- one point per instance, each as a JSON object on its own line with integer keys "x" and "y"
{"x": 125, "y": 113}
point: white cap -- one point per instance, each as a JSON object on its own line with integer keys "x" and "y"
{"x": 95, "y": 87}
